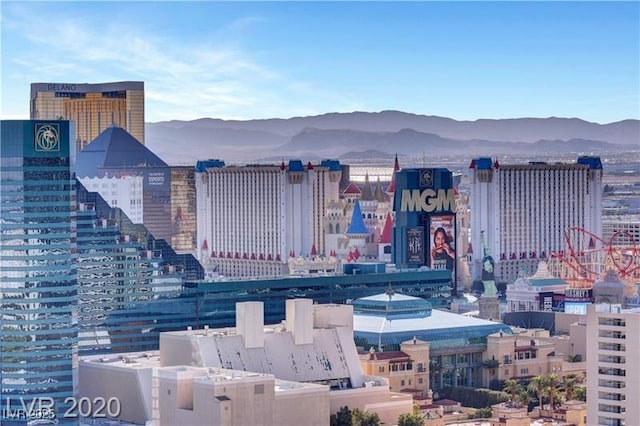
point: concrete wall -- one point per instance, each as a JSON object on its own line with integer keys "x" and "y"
{"x": 331, "y": 316}
{"x": 250, "y": 323}
{"x": 127, "y": 385}
{"x": 309, "y": 408}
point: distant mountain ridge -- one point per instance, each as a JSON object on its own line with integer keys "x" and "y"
{"x": 335, "y": 134}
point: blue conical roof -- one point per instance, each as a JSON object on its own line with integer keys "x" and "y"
{"x": 116, "y": 148}
{"x": 357, "y": 225}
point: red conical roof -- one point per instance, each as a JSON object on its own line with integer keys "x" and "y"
{"x": 392, "y": 186}
{"x": 205, "y": 245}
{"x": 314, "y": 252}
{"x": 470, "y": 249}
{"x": 385, "y": 237}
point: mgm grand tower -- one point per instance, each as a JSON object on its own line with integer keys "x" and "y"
{"x": 425, "y": 231}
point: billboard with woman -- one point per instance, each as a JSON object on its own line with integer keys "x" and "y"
{"x": 442, "y": 240}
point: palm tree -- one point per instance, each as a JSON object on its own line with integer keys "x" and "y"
{"x": 537, "y": 385}
{"x": 491, "y": 364}
{"x": 512, "y": 387}
{"x": 569, "y": 383}
{"x": 552, "y": 382}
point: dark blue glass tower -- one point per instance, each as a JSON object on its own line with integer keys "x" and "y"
{"x": 38, "y": 279}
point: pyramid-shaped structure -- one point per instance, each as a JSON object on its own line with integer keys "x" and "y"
{"x": 114, "y": 148}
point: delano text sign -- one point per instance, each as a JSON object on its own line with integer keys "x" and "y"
{"x": 428, "y": 200}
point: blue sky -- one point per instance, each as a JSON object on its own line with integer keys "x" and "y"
{"x": 245, "y": 60}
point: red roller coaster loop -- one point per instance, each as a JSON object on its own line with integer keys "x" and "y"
{"x": 624, "y": 257}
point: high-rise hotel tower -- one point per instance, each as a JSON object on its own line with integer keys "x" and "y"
{"x": 38, "y": 278}
{"x": 613, "y": 371}
{"x": 93, "y": 107}
{"x": 520, "y": 212}
{"x": 251, "y": 219}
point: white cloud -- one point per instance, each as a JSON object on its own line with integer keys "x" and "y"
{"x": 182, "y": 80}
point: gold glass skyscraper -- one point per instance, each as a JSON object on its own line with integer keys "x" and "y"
{"x": 93, "y": 107}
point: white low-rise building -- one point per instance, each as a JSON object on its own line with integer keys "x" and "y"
{"x": 531, "y": 293}
{"x": 296, "y": 372}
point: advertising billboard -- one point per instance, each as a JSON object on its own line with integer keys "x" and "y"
{"x": 442, "y": 242}
{"x": 415, "y": 245}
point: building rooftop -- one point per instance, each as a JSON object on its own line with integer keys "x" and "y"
{"x": 330, "y": 357}
{"x": 440, "y": 328}
{"x": 392, "y": 305}
{"x": 114, "y": 148}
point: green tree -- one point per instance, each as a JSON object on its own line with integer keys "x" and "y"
{"x": 551, "y": 388}
{"x": 491, "y": 364}
{"x": 537, "y": 386}
{"x": 364, "y": 418}
{"x": 574, "y": 358}
{"x": 341, "y": 418}
{"x": 482, "y": 413}
{"x": 580, "y": 393}
{"x": 513, "y": 388}
{"x": 411, "y": 419}
{"x": 569, "y": 383}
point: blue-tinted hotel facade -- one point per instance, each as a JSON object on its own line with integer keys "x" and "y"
{"x": 38, "y": 277}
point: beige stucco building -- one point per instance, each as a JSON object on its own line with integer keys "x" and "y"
{"x": 407, "y": 370}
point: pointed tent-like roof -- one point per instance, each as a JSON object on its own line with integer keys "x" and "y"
{"x": 392, "y": 186}
{"x": 379, "y": 195}
{"x": 357, "y": 226}
{"x": 114, "y": 148}
{"x": 367, "y": 193}
{"x": 385, "y": 237}
{"x": 352, "y": 189}
{"x": 314, "y": 252}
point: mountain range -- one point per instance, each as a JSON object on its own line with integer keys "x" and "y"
{"x": 380, "y": 135}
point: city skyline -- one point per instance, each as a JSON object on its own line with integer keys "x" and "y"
{"x": 246, "y": 60}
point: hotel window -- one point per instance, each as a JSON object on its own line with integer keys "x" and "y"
{"x": 381, "y": 369}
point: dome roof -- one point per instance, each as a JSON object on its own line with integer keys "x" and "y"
{"x": 392, "y": 305}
